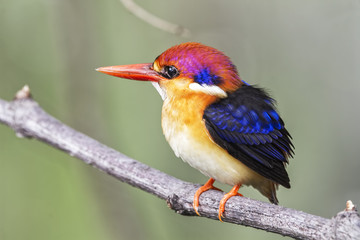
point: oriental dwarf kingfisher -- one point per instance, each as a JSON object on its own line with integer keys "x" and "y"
{"x": 224, "y": 127}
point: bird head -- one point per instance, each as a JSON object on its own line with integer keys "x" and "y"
{"x": 187, "y": 69}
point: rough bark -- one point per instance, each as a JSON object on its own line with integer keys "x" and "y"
{"x": 28, "y": 119}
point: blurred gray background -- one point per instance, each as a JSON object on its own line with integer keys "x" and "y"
{"x": 306, "y": 53}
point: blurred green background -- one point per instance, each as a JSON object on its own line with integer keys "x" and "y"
{"x": 306, "y": 52}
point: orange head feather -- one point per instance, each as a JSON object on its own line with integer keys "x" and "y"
{"x": 203, "y": 64}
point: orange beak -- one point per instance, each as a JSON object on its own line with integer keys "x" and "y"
{"x": 142, "y": 72}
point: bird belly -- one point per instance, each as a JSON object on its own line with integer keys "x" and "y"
{"x": 191, "y": 142}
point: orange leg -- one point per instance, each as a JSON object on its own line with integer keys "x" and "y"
{"x": 207, "y": 186}
{"x": 233, "y": 192}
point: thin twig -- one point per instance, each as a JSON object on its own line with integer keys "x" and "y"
{"x": 155, "y": 21}
{"x": 28, "y": 119}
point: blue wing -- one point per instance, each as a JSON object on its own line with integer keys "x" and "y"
{"x": 247, "y": 125}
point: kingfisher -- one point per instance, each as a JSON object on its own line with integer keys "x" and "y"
{"x": 224, "y": 127}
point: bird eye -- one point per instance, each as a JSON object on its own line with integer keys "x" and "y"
{"x": 169, "y": 72}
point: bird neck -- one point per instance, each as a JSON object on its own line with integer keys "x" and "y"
{"x": 186, "y": 109}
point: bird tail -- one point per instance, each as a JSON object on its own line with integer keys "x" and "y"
{"x": 272, "y": 198}
{"x": 268, "y": 189}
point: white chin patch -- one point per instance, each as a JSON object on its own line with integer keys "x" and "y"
{"x": 208, "y": 89}
{"x": 159, "y": 89}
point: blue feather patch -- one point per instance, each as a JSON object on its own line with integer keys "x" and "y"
{"x": 248, "y": 119}
{"x": 205, "y": 77}
{"x": 244, "y": 120}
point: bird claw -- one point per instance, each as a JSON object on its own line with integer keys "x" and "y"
{"x": 220, "y": 216}
{"x": 209, "y": 185}
{"x": 232, "y": 193}
{"x": 196, "y": 208}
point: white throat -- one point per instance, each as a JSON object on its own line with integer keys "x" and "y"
{"x": 159, "y": 89}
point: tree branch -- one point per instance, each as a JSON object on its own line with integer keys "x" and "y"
{"x": 28, "y": 119}
{"x": 155, "y": 21}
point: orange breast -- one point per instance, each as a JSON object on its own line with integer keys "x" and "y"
{"x": 185, "y": 130}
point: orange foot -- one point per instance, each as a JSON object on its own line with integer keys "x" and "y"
{"x": 233, "y": 192}
{"x": 207, "y": 186}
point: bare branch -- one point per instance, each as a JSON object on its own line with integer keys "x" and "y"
{"x": 155, "y": 21}
{"x": 28, "y": 119}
